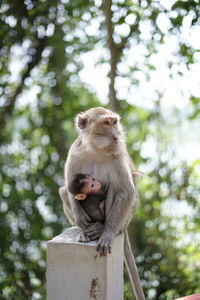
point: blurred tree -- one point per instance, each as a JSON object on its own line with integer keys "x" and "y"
{"x": 40, "y": 92}
{"x": 154, "y": 231}
{"x": 40, "y": 48}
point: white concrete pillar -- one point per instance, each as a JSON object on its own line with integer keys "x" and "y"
{"x": 75, "y": 271}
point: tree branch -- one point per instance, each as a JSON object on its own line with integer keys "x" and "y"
{"x": 115, "y": 52}
{"x": 122, "y": 45}
{"x": 10, "y": 103}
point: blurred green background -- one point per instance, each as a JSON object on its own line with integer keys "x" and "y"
{"x": 140, "y": 58}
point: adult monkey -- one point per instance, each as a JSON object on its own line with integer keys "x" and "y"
{"x": 101, "y": 152}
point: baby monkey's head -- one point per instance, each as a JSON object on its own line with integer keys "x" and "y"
{"x": 82, "y": 185}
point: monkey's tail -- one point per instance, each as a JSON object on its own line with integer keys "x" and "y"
{"x": 132, "y": 268}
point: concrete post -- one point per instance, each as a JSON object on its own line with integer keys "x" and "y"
{"x": 75, "y": 271}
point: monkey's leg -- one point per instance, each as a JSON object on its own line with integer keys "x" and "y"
{"x": 66, "y": 205}
{"x": 102, "y": 208}
{"x": 132, "y": 268}
{"x": 84, "y": 237}
{"x": 68, "y": 208}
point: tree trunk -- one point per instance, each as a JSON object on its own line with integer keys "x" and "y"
{"x": 114, "y": 55}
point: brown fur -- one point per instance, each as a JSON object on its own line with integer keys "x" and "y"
{"x": 96, "y": 152}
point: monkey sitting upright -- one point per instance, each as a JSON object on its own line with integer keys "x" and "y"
{"x": 93, "y": 192}
{"x": 100, "y": 151}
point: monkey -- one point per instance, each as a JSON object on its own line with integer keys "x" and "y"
{"x": 84, "y": 187}
{"x": 100, "y": 151}
{"x": 91, "y": 193}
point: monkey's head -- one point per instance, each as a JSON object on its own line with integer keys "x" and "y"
{"x": 100, "y": 128}
{"x": 83, "y": 184}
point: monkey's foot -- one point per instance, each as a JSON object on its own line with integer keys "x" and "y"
{"x": 91, "y": 233}
{"x": 105, "y": 242}
{"x": 84, "y": 238}
{"x": 94, "y": 231}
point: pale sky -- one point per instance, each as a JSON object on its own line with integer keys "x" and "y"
{"x": 175, "y": 91}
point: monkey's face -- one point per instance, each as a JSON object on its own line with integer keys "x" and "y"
{"x": 101, "y": 128}
{"x": 105, "y": 134}
{"x": 91, "y": 186}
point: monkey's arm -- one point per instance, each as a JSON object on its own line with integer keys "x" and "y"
{"x": 80, "y": 216}
{"x": 76, "y": 216}
{"x": 131, "y": 166}
{"x": 117, "y": 220}
{"x": 73, "y": 166}
{"x": 68, "y": 212}
{"x": 91, "y": 231}
{"x": 66, "y": 205}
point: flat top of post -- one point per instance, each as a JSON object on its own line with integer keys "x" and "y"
{"x": 70, "y": 236}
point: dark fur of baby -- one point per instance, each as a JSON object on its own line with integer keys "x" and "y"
{"x": 91, "y": 193}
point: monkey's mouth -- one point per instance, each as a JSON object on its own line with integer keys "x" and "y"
{"x": 105, "y": 144}
{"x": 111, "y": 147}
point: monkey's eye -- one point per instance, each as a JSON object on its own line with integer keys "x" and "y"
{"x": 92, "y": 185}
{"x": 92, "y": 179}
{"x": 106, "y": 123}
{"x": 115, "y": 122}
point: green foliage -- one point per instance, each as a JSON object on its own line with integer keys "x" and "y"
{"x": 39, "y": 98}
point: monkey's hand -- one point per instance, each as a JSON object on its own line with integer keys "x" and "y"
{"x": 81, "y": 218}
{"x": 105, "y": 242}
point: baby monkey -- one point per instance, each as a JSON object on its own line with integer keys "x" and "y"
{"x": 93, "y": 192}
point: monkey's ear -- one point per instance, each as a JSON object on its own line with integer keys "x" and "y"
{"x": 81, "y": 121}
{"x": 80, "y": 196}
